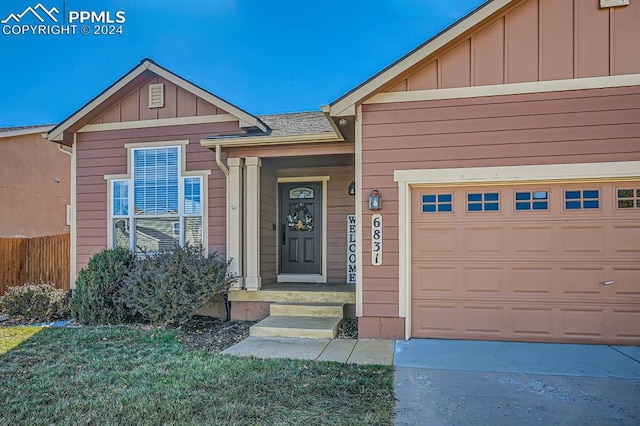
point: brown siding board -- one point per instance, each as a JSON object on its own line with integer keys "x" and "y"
{"x": 186, "y": 103}
{"x": 204, "y": 108}
{"x": 592, "y": 29}
{"x": 626, "y": 39}
{"x": 169, "y": 110}
{"x": 129, "y": 110}
{"x": 497, "y": 151}
{"x": 456, "y": 66}
{"x": 380, "y": 309}
{"x": 522, "y": 43}
{"x": 425, "y": 79}
{"x": 498, "y": 124}
{"x": 513, "y": 137}
{"x": 488, "y": 55}
{"x": 556, "y": 39}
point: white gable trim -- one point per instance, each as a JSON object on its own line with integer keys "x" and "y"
{"x": 508, "y": 89}
{"x": 345, "y": 105}
{"x": 162, "y": 122}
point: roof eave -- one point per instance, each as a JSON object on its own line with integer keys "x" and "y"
{"x": 26, "y": 131}
{"x": 272, "y": 140}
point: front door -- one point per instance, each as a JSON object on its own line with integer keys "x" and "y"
{"x": 301, "y": 228}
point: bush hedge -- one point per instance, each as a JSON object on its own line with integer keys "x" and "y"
{"x": 172, "y": 286}
{"x": 35, "y": 302}
{"x": 119, "y": 287}
{"x": 97, "y": 298}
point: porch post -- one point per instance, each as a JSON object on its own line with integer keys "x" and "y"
{"x": 234, "y": 220}
{"x": 252, "y": 228}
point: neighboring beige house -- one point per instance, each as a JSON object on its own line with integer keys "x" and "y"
{"x": 35, "y": 178}
{"x": 506, "y": 150}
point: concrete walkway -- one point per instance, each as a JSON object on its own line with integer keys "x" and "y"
{"x": 363, "y": 351}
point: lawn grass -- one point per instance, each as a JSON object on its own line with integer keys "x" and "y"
{"x": 10, "y": 337}
{"x": 120, "y": 375}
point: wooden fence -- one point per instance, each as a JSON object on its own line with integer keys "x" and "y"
{"x": 31, "y": 260}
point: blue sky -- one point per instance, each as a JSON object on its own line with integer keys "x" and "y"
{"x": 264, "y": 56}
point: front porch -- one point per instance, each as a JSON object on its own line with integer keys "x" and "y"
{"x": 287, "y": 236}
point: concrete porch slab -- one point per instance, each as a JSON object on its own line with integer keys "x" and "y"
{"x": 279, "y": 347}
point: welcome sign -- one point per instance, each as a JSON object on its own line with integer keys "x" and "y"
{"x": 351, "y": 249}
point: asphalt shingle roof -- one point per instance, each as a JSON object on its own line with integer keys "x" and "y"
{"x": 297, "y": 123}
{"x": 11, "y": 129}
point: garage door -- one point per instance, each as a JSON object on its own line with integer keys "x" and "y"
{"x": 554, "y": 262}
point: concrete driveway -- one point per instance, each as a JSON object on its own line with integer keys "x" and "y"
{"x": 505, "y": 383}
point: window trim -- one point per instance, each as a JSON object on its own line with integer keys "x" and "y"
{"x": 183, "y": 173}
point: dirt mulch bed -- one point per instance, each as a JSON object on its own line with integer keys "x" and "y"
{"x": 212, "y": 334}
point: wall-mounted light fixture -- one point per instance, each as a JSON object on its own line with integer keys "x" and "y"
{"x": 343, "y": 122}
{"x": 375, "y": 200}
{"x": 352, "y": 188}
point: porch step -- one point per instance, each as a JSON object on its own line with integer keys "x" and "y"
{"x": 307, "y": 309}
{"x": 297, "y": 326}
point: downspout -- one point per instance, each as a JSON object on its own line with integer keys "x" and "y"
{"x": 73, "y": 250}
{"x": 61, "y": 148}
{"x": 219, "y": 162}
{"x": 225, "y": 170}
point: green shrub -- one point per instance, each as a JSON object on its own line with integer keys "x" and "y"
{"x": 172, "y": 286}
{"x": 97, "y": 298}
{"x": 35, "y": 302}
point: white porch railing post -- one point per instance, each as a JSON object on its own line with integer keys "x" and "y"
{"x": 252, "y": 228}
{"x": 234, "y": 220}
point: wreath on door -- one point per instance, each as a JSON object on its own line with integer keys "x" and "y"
{"x": 301, "y": 218}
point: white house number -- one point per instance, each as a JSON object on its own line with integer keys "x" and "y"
{"x": 376, "y": 239}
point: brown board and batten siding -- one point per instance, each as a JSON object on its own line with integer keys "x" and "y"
{"x": 535, "y": 40}
{"x": 586, "y": 126}
{"x": 178, "y": 103}
{"x": 103, "y": 153}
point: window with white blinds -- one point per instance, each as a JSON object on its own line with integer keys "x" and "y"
{"x": 158, "y": 208}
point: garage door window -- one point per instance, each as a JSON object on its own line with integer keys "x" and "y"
{"x": 628, "y": 198}
{"x": 437, "y": 203}
{"x": 532, "y": 200}
{"x": 582, "y": 199}
{"x": 483, "y": 202}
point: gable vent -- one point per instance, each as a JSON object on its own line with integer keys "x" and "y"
{"x": 156, "y": 95}
{"x": 613, "y": 3}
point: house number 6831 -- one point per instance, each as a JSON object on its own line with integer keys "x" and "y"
{"x": 376, "y": 239}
